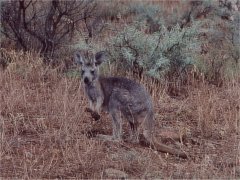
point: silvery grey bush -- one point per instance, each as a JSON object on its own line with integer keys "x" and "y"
{"x": 157, "y": 54}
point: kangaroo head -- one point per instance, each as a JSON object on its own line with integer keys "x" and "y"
{"x": 89, "y": 65}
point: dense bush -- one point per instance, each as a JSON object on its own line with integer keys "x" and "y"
{"x": 164, "y": 52}
{"x": 204, "y": 36}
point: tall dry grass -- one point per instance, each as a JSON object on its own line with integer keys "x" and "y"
{"x": 42, "y": 122}
{"x": 45, "y": 132}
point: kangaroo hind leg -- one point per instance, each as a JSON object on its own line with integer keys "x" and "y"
{"x": 117, "y": 124}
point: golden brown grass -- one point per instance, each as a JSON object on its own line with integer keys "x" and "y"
{"x": 45, "y": 132}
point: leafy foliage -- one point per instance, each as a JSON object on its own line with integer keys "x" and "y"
{"x": 158, "y": 54}
{"x": 205, "y": 36}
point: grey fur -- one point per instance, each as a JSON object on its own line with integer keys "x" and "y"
{"x": 121, "y": 97}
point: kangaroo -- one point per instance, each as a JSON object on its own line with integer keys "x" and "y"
{"x": 122, "y": 98}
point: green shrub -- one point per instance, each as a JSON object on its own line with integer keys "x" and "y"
{"x": 164, "y": 52}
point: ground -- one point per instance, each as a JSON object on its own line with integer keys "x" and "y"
{"x": 46, "y": 132}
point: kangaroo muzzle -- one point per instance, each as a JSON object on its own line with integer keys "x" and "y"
{"x": 86, "y": 80}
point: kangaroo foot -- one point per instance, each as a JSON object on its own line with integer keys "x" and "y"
{"x": 107, "y": 138}
{"x": 133, "y": 139}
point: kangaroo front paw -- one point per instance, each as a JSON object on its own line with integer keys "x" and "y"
{"x": 89, "y": 110}
{"x": 94, "y": 114}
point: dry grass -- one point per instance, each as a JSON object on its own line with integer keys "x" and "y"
{"x": 45, "y": 132}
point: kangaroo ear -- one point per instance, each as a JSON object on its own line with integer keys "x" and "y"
{"x": 100, "y": 57}
{"x": 78, "y": 58}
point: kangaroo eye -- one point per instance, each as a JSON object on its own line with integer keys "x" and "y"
{"x": 83, "y": 72}
{"x": 92, "y": 71}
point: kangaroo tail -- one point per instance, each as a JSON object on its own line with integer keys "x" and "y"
{"x": 161, "y": 147}
{"x": 148, "y": 140}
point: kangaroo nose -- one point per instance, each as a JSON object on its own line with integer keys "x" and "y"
{"x": 86, "y": 80}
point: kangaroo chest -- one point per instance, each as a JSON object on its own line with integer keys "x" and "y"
{"x": 93, "y": 93}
